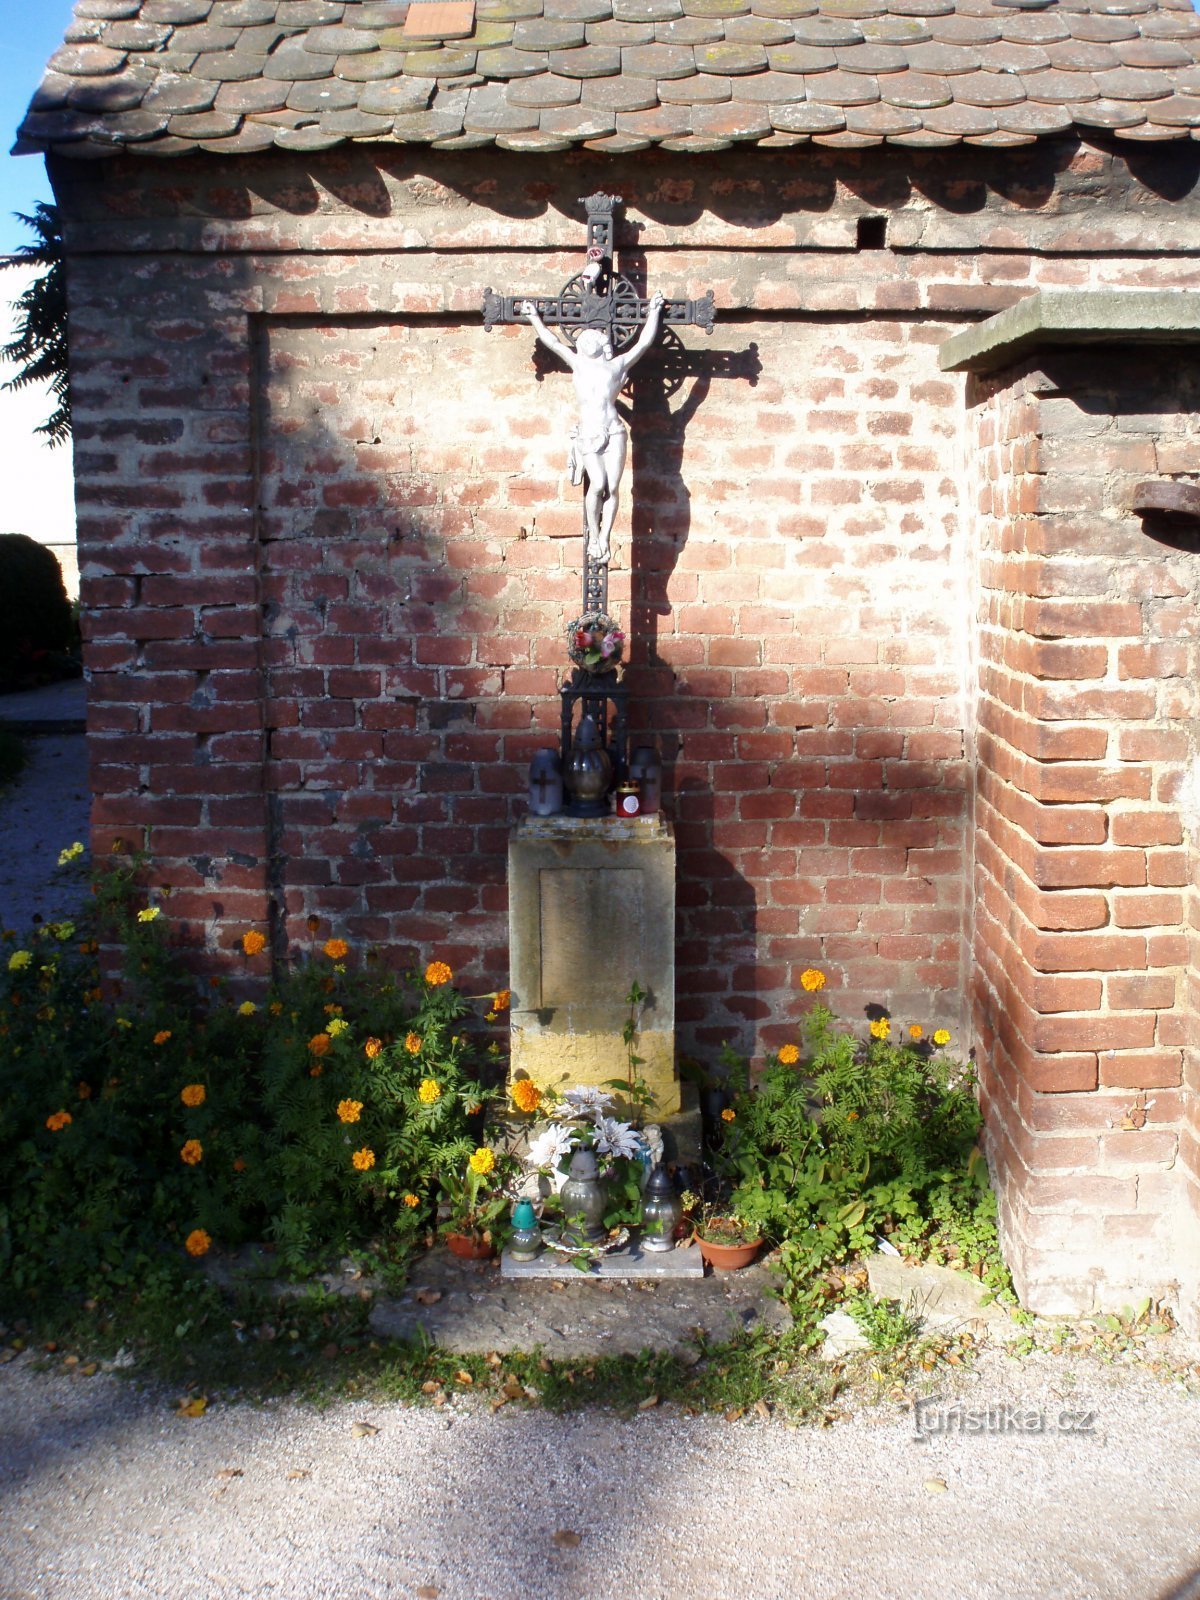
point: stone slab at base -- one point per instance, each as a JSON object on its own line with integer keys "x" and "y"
{"x": 685, "y": 1261}
{"x": 591, "y": 912}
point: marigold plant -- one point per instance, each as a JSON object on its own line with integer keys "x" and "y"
{"x": 349, "y": 1110}
{"x": 372, "y": 1048}
{"x": 192, "y": 1153}
{"x": 253, "y": 942}
{"x": 526, "y": 1095}
{"x": 812, "y": 979}
{"x": 336, "y": 949}
{"x": 319, "y": 1044}
{"x": 59, "y": 1120}
{"x": 197, "y": 1243}
{"x": 437, "y": 973}
{"x": 192, "y": 1094}
{"x": 429, "y": 1091}
{"x": 363, "y": 1159}
{"x": 789, "y": 1055}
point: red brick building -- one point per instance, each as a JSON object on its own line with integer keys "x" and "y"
{"x": 923, "y": 676}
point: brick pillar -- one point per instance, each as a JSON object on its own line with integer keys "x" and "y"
{"x": 1087, "y": 807}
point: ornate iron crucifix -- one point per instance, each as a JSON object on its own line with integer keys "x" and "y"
{"x": 605, "y": 327}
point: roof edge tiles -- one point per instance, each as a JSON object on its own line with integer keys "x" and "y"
{"x": 1075, "y": 317}
{"x": 847, "y": 72}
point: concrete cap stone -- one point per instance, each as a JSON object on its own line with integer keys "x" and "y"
{"x": 1073, "y": 317}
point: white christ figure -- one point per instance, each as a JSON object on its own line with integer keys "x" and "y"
{"x": 599, "y": 440}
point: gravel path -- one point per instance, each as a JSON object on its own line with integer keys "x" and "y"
{"x": 46, "y": 809}
{"x": 108, "y": 1495}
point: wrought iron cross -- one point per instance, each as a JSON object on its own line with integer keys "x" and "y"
{"x": 597, "y": 298}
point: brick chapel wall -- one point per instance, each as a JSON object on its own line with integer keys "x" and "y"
{"x": 1087, "y": 825}
{"x": 323, "y": 640}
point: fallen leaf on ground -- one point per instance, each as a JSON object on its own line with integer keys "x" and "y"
{"x": 494, "y": 1358}
{"x": 195, "y": 1407}
{"x": 431, "y": 1386}
{"x": 648, "y": 1403}
{"x": 70, "y": 1361}
{"x": 427, "y": 1297}
{"x": 936, "y": 1485}
{"x": 564, "y": 1539}
{"x": 513, "y": 1388}
{"x": 734, "y": 1413}
{"x": 90, "y": 1371}
{"x": 230, "y": 1472}
{"x": 329, "y": 1351}
{"x": 500, "y": 1400}
{"x": 428, "y": 1591}
{"x": 763, "y": 1410}
{"x": 297, "y": 1473}
{"x": 363, "y": 1430}
{"x": 462, "y": 1376}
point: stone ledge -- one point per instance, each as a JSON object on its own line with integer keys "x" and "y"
{"x": 1087, "y": 316}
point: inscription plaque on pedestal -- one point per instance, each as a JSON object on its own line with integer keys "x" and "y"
{"x": 591, "y": 912}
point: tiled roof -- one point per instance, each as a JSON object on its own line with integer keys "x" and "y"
{"x": 232, "y": 76}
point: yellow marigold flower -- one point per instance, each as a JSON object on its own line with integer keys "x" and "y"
{"x": 437, "y": 973}
{"x": 789, "y": 1055}
{"x": 192, "y": 1153}
{"x": 941, "y": 1037}
{"x": 429, "y": 1091}
{"x": 502, "y": 1000}
{"x": 58, "y": 1121}
{"x": 253, "y": 942}
{"x": 162, "y": 1036}
{"x": 881, "y": 1028}
{"x": 83, "y": 1090}
{"x": 319, "y": 1044}
{"x": 729, "y": 1114}
{"x": 482, "y": 1162}
{"x": 812, "y": 979}
{"x": 349, "y": 1110}
{"x": 412, "y": 1201}
{"x": 19, "y": 959}
{"x": 247, "y": 1008}
{"x": 489, "y": 1016}
{"x": 363, "y": 1159}
{"x": 372, "y": 1047}
{"x": 338, "y": 1026}
{"x": 123, "y": 1022}
{"x": 197, "y": 1243}
{"x": 71, "y": 853}
{"x": 148, "y": 914}
{"x": 193, "y": 1094}
{"x": 915, "y": 1030}
{"x": 336, "y": 949}
{"x": 526, "y": 1095}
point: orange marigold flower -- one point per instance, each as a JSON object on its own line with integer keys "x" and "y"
{"x": 253, "y": 943}
{"x": 812, "y": 979}
{"x": 729, "y": 1114}
{"x": 502, "y": 1000}
{"x": 881, "y": 1028}
{"x": 363, "y": 1159}
{"x": 58, "y": 1121}
{"x": 852, "y": 1116}
{"x": 192, "y": 1153}
{"x": 915, "y": 1030}
{"x": 162, "y": 1036}
{"x": 412, "y": 1201}
{"x": 276, "y": 1008}
{"x": 316, "y": 1071}
{"x": 312, "y": 924}
{"x": 349, "y": 1110}
{"x": 239, "y": 1163}
{"x": 197, "y": 1243}
{"x": 412, "y": 1043}
{"x": 319, "y": 1044}
{"x": 372, "y": 1047}
{"x": 192, "y": 1094}
{"x": 336, "y": 949}
{"x": 437, "y": 973}
{"x": 789, "y": 1055}
{"x": 526, "y": 1095}
{"x": 83, "y": 1090}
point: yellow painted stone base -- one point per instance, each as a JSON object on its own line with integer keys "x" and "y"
{"x": 567, "y": 1060}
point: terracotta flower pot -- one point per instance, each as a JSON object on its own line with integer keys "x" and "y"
{"x": 728, "y": 1257}
{"x": 468, "y": 1248}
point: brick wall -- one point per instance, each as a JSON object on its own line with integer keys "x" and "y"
{"x": 329, "y": 548}
{"x": 1086, "y": 817}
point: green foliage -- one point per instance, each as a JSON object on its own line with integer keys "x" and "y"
{"x": 40, "y": 347}
{"x": 12, "y": 757}
{"x": 143, "y": 1116}
{"x": 858, "y": 1138}
{"x": 35, "y": 614}
{"x": 885, "y": 1323}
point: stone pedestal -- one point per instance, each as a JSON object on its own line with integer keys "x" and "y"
{"x": 591, "y": 912}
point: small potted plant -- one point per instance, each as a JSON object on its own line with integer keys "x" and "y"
{"x": 475, "y": 1207}
{"x": 727, "y": 1241}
